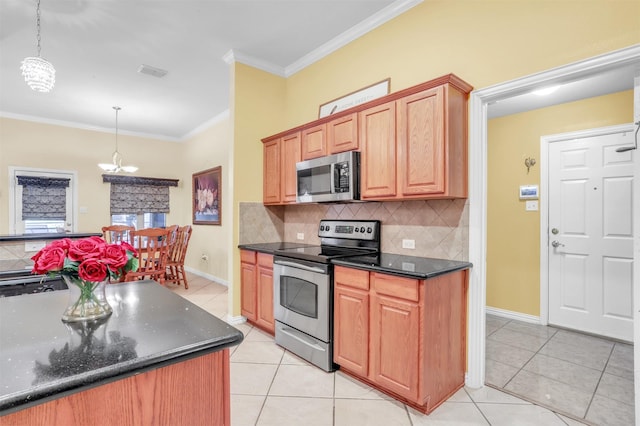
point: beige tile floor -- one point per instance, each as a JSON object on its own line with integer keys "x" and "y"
{"x": 271, "y": 386}
{"x": 583, "y": 376}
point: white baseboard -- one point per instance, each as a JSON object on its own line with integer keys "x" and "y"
{"x": 207, "y": 276}
{"x": 235, "y": 320}
{"x": 513, "y": 315}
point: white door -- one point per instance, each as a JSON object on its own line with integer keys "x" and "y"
{"x": 591, "y": 235}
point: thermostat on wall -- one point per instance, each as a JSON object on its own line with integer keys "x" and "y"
{"x": 528, "y": 192}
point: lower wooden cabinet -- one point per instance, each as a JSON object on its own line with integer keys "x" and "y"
{"x": 406, "y": 337}
{"x": 256, "y": 285}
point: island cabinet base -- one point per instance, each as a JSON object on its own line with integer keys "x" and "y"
{"x": 192, "y": 392}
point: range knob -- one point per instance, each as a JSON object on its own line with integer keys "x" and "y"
{"x": 362, "y": 229}
{"x": 322, "y": 227}
{"x": 357, "y": 229}
{"x": 327, "y": 228}
{"x": 369, "y": 230}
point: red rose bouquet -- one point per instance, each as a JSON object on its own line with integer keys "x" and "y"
{"x": 86, "y": 263}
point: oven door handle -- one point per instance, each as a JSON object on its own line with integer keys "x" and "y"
{"x": 299, "y": 266}
{"x": 295, "y": 334}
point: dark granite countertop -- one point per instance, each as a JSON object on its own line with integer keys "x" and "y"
{"x": 271, "y": 247}
{"x": 406, "y": 266}
{"x": 42, "y": 358}
{"x": 50, "y": 236}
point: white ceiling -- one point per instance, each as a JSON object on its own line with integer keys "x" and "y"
{"x": 97, "y": 47}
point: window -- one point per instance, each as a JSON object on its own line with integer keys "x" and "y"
{"x": 138, "y": 201}
{"x": 41, "y": 201}
{"x": 148, "y": 220}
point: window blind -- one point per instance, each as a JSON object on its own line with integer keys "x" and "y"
{"x": 138, "y": 195}
{"x": 43, "y": 197}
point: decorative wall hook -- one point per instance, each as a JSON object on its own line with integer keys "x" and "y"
{"x": 529, "y": 162}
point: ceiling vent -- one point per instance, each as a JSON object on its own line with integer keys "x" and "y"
{"x": 153, "y": 71}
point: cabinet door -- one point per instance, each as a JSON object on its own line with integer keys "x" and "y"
{"x": 265, "y": 293}
{"x": 248, "y": 280}
{"x": 421, "y": 143}
{"x": 351, "y": 329}
{"x": 314, "y": 142}
{"x": 378, "y": 159}
{"x": 271, "y": 173}
{"x": 394, "y": 347}
{"x": 342, "y": 134}
{"x": 290, "y": 149}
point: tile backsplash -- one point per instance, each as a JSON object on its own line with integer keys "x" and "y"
{"x": 440, "y": 228}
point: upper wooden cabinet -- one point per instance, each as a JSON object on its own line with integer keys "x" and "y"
{"x": 280, "y": 156}
{"x": 314, "y": 142}
{"x": 338, "y": 135}
{"x": 413, "y": 144}
{"x": 427, "y": 155}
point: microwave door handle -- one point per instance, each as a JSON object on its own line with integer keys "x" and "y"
{"x": 332, "y": 172}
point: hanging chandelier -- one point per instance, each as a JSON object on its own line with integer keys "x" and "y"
{"x": 116, "y": 165}
{"x": 38, "y": 72}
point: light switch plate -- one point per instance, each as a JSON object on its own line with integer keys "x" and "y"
{"x": 532, "y": 206}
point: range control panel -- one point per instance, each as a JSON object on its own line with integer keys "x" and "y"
{"x": 350, "y": 229}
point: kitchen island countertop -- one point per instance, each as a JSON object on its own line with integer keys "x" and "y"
{"x": 42, "y": 358}
{"x": 271, "y": 248}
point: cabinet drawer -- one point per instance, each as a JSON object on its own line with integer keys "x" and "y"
{"x": 403, "y": 288}
{"x": 265, "y": 259}
{"x": 351, "y": 277}
{"x": 248, "y": 256}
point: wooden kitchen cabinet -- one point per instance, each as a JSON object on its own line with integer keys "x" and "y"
{"x": 280, "y": 156}
{"x": 314, "y": 142}
{"x": 342, "y": 134}
{"x": 378, "y": 156}
{"x": 416, "y": 146}
{"x": 256, "y": 286}
{"x": 351, "y": 308}
{"x": 403, "y": 336}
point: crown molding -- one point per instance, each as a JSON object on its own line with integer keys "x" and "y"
{"x": 224, "y": 115}
{"x": 374, "y": 21}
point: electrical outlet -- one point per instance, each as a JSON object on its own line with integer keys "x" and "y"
{"x": 204, "y": 257}
{"x": 30, "y": 246}
{"x": 300, "y": 236}
{"x": 409, "y": 244}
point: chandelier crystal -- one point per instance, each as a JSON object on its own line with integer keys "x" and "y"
{"x": 39, "y": 74}
{"x": 116, "y": 160}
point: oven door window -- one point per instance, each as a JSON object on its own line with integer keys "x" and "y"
{"x": 299, "y": 296}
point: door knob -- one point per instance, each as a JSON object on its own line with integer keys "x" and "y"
{"x": 557, "y": 244}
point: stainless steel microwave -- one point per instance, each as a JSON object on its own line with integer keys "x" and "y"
{"x": 329, "y": 179}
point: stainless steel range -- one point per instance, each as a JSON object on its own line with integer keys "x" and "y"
{"x": 303, "y": 287}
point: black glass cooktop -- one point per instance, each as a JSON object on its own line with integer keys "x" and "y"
{"x": 322, "y": 254}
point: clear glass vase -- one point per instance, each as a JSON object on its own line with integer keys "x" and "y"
{"x": 87, "y": 300}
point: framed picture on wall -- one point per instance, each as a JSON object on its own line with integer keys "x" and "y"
{"x": 207, "y": 197}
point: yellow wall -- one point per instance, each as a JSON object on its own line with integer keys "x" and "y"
{"x": 211, "y": 148}
{"x": 513, "y": 234}
{"x": 257, "y": 111}
{"x": 483, "y": 42}
{"x": 29, "y": 144}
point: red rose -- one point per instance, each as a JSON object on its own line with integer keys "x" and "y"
{"x": 48, "y": 259}
{"x": 86, "y": 248}
{"x": 115, "y": 256}
{"x": 92, "y": 270}
{"x": 130, "y": 248}
{"x": 64, "y": 244}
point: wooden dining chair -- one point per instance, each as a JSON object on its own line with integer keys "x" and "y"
{"x": 153, "y": 249}
{"x": 175, "y": 264}
{"x": 117, "y": 233}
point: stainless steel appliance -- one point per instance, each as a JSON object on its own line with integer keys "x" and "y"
{"x": 303, "y": 287}
{"x": 331, "y": 178}
{"x": 15, "y": 283}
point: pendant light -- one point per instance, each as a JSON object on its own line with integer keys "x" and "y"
{"x": 38, "y": 72}
{"x": 116, "y": 165}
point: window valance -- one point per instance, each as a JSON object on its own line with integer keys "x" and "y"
{"x": 137, "y": 195}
